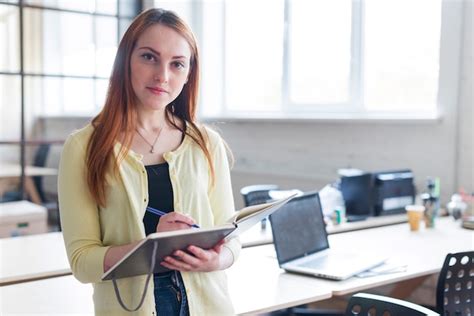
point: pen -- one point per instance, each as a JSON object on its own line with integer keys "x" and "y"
{"x": 161, "y": 213}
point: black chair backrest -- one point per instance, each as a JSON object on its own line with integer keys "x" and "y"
{"x": 376, "y": 305}
{"x": 455, "y": 290}
{"x": 257, "y": 194}
{"x": 39, "y": 160}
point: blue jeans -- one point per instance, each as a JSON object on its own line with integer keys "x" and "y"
{"x": 170, "y": 295}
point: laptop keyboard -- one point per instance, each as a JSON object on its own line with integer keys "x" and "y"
{"x": 316, "y": 263}
{"x": 329, "y": 261}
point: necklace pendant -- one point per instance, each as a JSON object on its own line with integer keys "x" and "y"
{"x": 152, "y": 150}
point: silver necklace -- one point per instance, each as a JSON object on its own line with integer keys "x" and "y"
{"x": 152, "y": 146}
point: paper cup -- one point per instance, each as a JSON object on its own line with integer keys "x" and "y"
{"x": 415, "y": 214}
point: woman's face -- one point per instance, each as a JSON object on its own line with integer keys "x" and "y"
{"x": 159, "y": 66}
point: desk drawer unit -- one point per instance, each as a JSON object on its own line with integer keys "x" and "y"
{"x": 22, "y": 218}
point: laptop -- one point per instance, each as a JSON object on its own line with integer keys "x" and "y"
{"x": 302, "y": 246}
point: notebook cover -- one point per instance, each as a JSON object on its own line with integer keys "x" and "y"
{"x": 138, "y": 260}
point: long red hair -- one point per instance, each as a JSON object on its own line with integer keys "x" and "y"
{"x": 118, "y": 118}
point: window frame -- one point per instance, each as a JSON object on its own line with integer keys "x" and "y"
{"x": 22, "y": 74}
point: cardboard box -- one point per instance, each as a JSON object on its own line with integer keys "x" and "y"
{"x": 22, "y": 218}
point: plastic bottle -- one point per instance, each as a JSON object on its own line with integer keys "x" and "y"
{"x": 431, "y": 201}
{"x": 457, "y": 206}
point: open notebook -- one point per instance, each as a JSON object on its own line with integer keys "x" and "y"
{"x": 158, "y": 245}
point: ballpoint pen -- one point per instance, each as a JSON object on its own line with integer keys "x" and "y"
{"x": 161, "y": 213}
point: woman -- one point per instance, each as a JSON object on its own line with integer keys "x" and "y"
{"x": 145, "y": 149}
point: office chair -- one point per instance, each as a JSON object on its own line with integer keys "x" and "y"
{"x": 257, "y": 194}
{"x": 50, "y": 201}
{"x": 377, "y": 305}
{"x": 10, "y": 196}
{"x": 47, "y": 200}
{"x": 39, "y": 160}
{"x": 455, "y": 289}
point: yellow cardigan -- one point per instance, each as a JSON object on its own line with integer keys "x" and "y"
{"x": 89, "y": 229}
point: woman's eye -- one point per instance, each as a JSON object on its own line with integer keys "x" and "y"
{"x": 148, "y": 57}
{"x": 178, "y": 65}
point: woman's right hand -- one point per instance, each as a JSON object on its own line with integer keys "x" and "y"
{"x": 174, "y": 221}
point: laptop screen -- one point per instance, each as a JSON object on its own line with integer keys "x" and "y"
{"x": 298, "y": 228}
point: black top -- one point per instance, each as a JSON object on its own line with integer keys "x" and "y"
{"x": 160, "y": 194}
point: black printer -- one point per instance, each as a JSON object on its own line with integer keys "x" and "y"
{"x": 392, "y": 191}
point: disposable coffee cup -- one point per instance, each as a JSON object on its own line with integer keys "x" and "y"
{"x": 415, "y": 215}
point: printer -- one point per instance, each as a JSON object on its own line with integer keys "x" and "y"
{"x": 357, "y": 192}
{"x": 392, "y": 191}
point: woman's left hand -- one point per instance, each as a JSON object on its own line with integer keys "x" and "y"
{"x": 195, "y": 259}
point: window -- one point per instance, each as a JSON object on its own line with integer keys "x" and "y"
{"x": 317, "y": 58}
{"x": 68, "y": 49}
{"x": 55, "y": 60}
{"x": 68, "y": 46}
{"x": 252, "y": 82}
{"x": 401, "y": 55}
{"x": 319, "y": 52}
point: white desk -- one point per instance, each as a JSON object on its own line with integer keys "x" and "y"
{"x": 65, "y": 295}
{"x": 57, "y": 296}
{"x": 35, "y": 257}
{"x": 422, "y": 252}
{"x": 32, "y": 257}
{"x": 255, "y": 282}
{"x": 33, "y": 248}
{"x": 257, "y": 236}
{"x": 251, "y": 293}
{"x": 258, "y": 285}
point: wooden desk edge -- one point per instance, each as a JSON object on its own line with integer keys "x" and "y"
{"x": 384, "y": 282}
{"x": 33, "y": 277}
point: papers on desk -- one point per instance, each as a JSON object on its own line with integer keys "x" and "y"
{"x": 385, "y": 268}
{"x": 468, "y": 222}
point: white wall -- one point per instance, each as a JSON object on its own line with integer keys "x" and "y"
{"x": 465, "y": 172}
